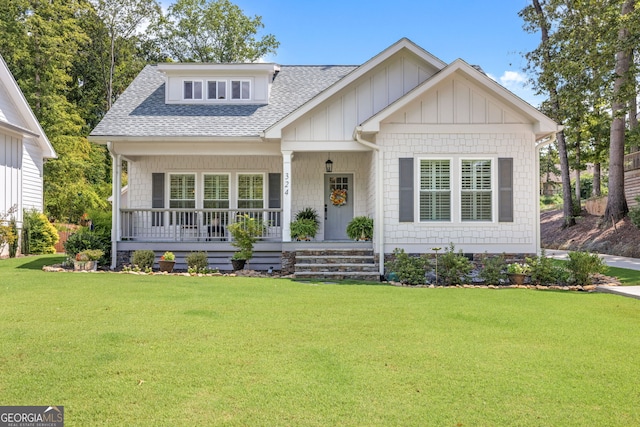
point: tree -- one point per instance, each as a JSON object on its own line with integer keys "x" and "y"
{"x": 211, "y": 31}
{"x": 616, "y": 201}
{"x": 121, "y": 19}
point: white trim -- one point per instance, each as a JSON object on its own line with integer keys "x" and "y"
{"x": 241, "y": 81}
{"x": 167, "y": 190}
{"x": 456, "y": 190}
{"x": 265, "y": 197}
{"x": 213, "y": 173}
{"x": 217, "y": 82}
{"x": 193, "y": 84}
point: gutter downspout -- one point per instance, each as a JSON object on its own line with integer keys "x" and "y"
{"x": 539, "y": 146}
{"x": 116, "y": 183}
{"x": 379, "y": 193}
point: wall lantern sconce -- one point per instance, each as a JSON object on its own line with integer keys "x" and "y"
{"x": 328, "y": 165}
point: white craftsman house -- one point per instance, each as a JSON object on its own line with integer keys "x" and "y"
{"x": 23, "y": 148}
{"x": 435, "y": 153}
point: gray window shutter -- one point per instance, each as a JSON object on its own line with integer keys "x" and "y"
{"x": 406, "y": 189}
{"x": 275, "y": 190}
{"x": 505, "y": 189}
{"x": 157, "y": 198}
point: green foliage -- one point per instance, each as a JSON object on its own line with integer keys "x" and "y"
{"x": 360, "y": 228}
{"x": 84, "y": 239}
{"x": 582, "y": 266}
{"x": 42, "y": 235}
{"x": 13, "y": 245}
{"x": 543, "y": 271}
{"x": 492, "y": 271}
{"x": 245, "y": 232}
{"x": 453, "y": 268}
{"x": 409, "y": 269}
{"x": 168, "y": 256}
{"x": 518, "y": 268}
{"x": 309, "y": 213}
{"x": 303, "y": 228}
{"x": 197, "y": 262}
{"x": 89, "y": 255}
{"x": 8, "y": 232}
{"x": 212, "y": 31}
{"x": 143, "y": 258}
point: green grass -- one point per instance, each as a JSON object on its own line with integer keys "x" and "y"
{"x": 627, "y": 277}
{"x": 166, "y": 350}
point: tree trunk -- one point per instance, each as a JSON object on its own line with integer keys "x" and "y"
{"x": 578, "y": 187}
{"x": 569, "y": 219}
{"x": 617, "y": 203}
{"x": 597, "y": 171}
{"x": 633, "y": 115}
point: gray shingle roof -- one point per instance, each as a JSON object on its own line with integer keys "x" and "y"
{"x": 141, "y": 110}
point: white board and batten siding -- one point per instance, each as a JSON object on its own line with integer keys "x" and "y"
{"x": 336, "y": 118}
{"x": 10, "y": 172}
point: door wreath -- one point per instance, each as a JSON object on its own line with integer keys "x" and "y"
{"x": 338, "y": 197}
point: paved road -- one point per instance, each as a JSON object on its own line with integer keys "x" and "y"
{"x": 613, "y": 261}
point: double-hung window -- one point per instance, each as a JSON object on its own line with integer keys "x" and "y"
{"x": 250, "y": 191}
{"x": 435, "y": 190}
{"x": 192, "y": 89}
{"x": 216, "y": 191}
{"x": 182, "y": 195}
{"x": 476, "y": 196}
{"x": 240, "y": 89}
{"x": 216, "y": 89}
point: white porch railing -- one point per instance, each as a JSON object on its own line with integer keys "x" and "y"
{"x": 184, "y": 225}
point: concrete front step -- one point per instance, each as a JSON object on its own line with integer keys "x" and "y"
{"x": 338, "y": 275}
{"x": 355, "y": 268}
{"x": 334, "y": 252}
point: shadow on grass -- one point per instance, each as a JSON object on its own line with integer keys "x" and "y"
{"x": 39, "y": 262}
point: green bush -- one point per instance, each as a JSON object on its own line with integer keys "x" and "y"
{"x": 83, "y": 240}
{"x": 454, "y": 268}
{"x": 42, "y": 236}
{"x": 582, "y": 266}
{"x": 360, "y": 228}
{"x": 409, "y": 269}
{"x": 143, "y": 258}
{"x": 543, "y": 271}
{"x": 197, "y": 262}
{"x": 493, "y": 269}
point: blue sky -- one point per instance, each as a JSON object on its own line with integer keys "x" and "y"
{"x": 487, "y": 33}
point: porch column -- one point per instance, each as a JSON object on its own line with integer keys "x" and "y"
{"x": 286, "y": 195}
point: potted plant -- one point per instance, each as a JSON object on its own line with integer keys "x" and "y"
{"x": 306, "y": 224}
{"x": 87, "y": 260}
{"x": 167, "y": 262}
{"x": 245, "y": 232}
{"x": 517, "y": 272}
{"x": 360, "y": 228}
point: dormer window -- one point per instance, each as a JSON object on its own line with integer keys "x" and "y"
{"x": 240, "y": 89}
{"x": 216, "y": 89}
{"x": 192, "y": 89}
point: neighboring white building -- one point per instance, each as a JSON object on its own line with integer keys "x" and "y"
{"x": 436, "y": 153}
{"x": 23, "y": 148}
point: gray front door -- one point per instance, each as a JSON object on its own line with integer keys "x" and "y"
{"x": 339, "y": 211}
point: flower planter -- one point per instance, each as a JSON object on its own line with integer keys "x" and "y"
{"x": 238, "y": 264}
{"x": 85, "y": 265}
{"x": 166, "y": 266}
{"x": 517, "y": 278}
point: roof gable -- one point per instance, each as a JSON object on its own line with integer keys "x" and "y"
{"x": 460, "y": 94}
{"x": 430, "y": 65}
{"x": 18, "y": 116}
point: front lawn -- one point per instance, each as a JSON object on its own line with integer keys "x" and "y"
{"x": 118, "y": 349}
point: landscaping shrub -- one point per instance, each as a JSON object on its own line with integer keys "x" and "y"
{"x": 543, "y": 271}
{"x": 197, "y": 262}
{"x": 493, "y": 267}
{"x": 454, "y": 268}
{"x": 583, "y": 265}
{"x": 84, "y": 239}
{"x": 13, "y": 246}
{"x": 40, "y": 234}
{"x": 143, "y": 258}
{"x": 409, "y": 269}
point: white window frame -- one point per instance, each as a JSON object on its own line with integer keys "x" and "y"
{"x": 210, "y": 173}
{"x": 237, "y": 188}
{"x": 195, "y": 189}
{"x": 456, "y": 190}
{"x": 240, "y": 81}
{"x": 492, "y": 190}
{"x": 193, "y": 91}
{"x": 218, "y": 83}
{"x": 451, "y": 189}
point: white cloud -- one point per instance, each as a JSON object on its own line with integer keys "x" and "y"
{"x": 518, "y": 83}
